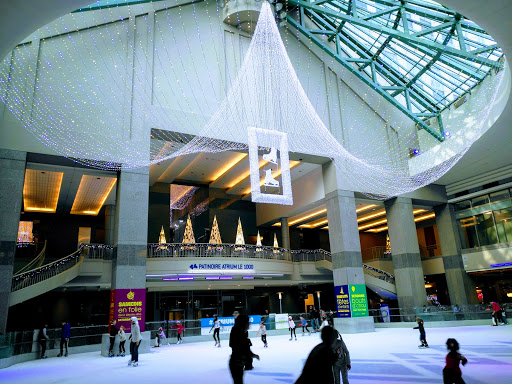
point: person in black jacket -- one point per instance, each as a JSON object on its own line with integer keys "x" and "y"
{"x": 240, "y": 348}
{"x": 423, "y": 334}
{"x": 113, "y": 333}
{"x": 319, "y": 365}
{"x": 43, "y": 338}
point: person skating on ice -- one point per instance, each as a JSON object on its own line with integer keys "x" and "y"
{"x": 161, "y": 338}
{"x": 291, "y": 326}
{"x": 122, "y": 340}
{"x": 451, "y": 372}
{"x": 423, "y": 334}
{"x": 319, "y": 365}
{"x": 342, "y": 364}
{"x": 304, "y": 325}
{"x": 135, "y": 339}
{"x": 263, "y": 330}
{"x": 43, "y": 339}
{"x": 64, "y": 338}
{"x": 113, "y": 334}
{"x": 181, "y": 329}
{"x": 325, "y": 323}
{"x": 240, "y": 348}
{"x": 216, "y": 330}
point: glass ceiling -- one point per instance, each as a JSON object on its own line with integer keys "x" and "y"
{"x": 419, "y": 53}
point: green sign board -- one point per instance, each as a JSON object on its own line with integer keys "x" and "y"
{"x": 358, "y": 300}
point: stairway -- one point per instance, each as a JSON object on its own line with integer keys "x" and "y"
{"x": 380, "y": 282}
{"x": 30, "y": 284}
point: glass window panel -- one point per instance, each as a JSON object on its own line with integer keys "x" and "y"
{"x": 486, "y": 230}
{"x": 503, "y": 218}
{"x": 500, "y": 195}
{"x": 467, "y": 230}
{"x": 480, "y": 200}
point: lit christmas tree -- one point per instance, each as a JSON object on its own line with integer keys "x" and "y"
{"x": 388, "y": 245}
{"x": 276, "y": 245}
{"x": 258, "y": 243}
{"x": 239, "y": 237}
{"x": 215, "y": 235}
{"x": 188, "y": 237}
{"x": 161, "y": 239}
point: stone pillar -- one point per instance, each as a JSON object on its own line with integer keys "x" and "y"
{"x": 461, "y": 287}
{"x": 110, "y": 224}
{"x": 409, "y": 278}
{"x": 12, "y": 177}
{"x": 347, "y": 264}
{"x": 131, "y": 224}
{"x": 285, "y": 233}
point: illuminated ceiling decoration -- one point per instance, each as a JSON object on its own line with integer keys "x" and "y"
{"x": 91, "y": 195}
{"x": 236, "y": 159}
{"x": 180, "y": 197}
{"x": 41, "y": 190}
{"x": 418, "y": 56}
{"x": 416, "y": 219}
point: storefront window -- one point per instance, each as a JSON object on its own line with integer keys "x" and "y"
{"x": 500, "y": 195}
{"x": 486, "y": 230}
{"x": 468, "y": 236}
{"x": 503, "y": 218}
{"x": 480, "y": 200}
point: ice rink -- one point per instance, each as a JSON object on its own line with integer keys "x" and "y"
{"x": 386, "y": 356}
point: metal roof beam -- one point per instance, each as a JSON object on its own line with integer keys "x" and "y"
{"x": 396, "y": 34}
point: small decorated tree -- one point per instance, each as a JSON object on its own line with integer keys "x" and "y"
{"x": 240, "y": 241}
{"x": 215, "y": 239}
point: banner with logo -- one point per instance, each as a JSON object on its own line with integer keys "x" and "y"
{"x": 351, "y": 300}
{"x": 227, "y": 324}
{"x": 125, "y": 304}
{"x": 282, "y": 321}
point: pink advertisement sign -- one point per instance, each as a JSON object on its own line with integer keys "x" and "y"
{"x": 126, "y": 303}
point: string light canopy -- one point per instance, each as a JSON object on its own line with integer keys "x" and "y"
{"x": 170, "y": 56}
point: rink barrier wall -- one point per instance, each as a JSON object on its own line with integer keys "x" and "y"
{"x": 436, "y": 324}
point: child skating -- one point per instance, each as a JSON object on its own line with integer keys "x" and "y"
{"x": 161, "y": 337}
{"x": 181, "y": 329}
{"x": 263, "y": 330}
{"x": 423, "y": 335}
{"x": 451, "y": 372}
{"x": 291, "y": 326}
{"x": 216, "y": 330}
{"x": 122, "y": 340}
{"x": 304, "y": 325}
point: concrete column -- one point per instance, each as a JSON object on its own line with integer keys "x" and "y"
{"x": 12, "y": 177}
{"x": 285, "y": 233}
{"x": 110, "y": 224}
{"x": 347, "y": 264}
{"x": 461, "y": 287}
{"x": 409, "y": 278}
{"x": 131, "y": 224}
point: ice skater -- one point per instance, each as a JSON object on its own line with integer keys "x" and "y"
{"x": 319, "y": 365}
{"x": 64, "y": 338}
{"x": 135, "y": 339}
{"x": 325, "y": 323}
{"x": 304, "y": 325}
{"x": 216, "y": 330}
{"x": 291, "y": 326}
{"x": 451, "y": 372}
{"x": 240, "y": 347}
{"x": 423, "y": 334}
{"x": 113, "y": 334}
{"x": 122, "y": 340}
{"x": 181, "y": 329}
{"x": 43, "y": 338}
{"x": 161, "y": 337}
{"x": 342, "y": 364}
{"x": 263, "y": 330}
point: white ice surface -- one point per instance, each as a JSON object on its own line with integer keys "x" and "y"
{"x": 386, "y": 356}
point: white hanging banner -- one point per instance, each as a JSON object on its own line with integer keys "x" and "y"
{"x": 276, "y": 187}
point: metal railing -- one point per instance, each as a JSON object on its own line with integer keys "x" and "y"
{"x": 430, "y": 251}
{"x": 36, "y": 275}
{"x": 373, "y": 253}
{"x": 379, "y": 274}
{"x": 36, "y": 262}
{"x": 218, "y": 250}
{"x": 98, "y": 251}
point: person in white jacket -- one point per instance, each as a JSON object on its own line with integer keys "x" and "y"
{"x": 325, "y": 323}
{"x": 135, "y": 339}
{"x": 122, "y": 340}
{"x": 291, "y": 326}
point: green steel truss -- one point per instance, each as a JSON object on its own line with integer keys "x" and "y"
{"x": 417, "y": 54}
